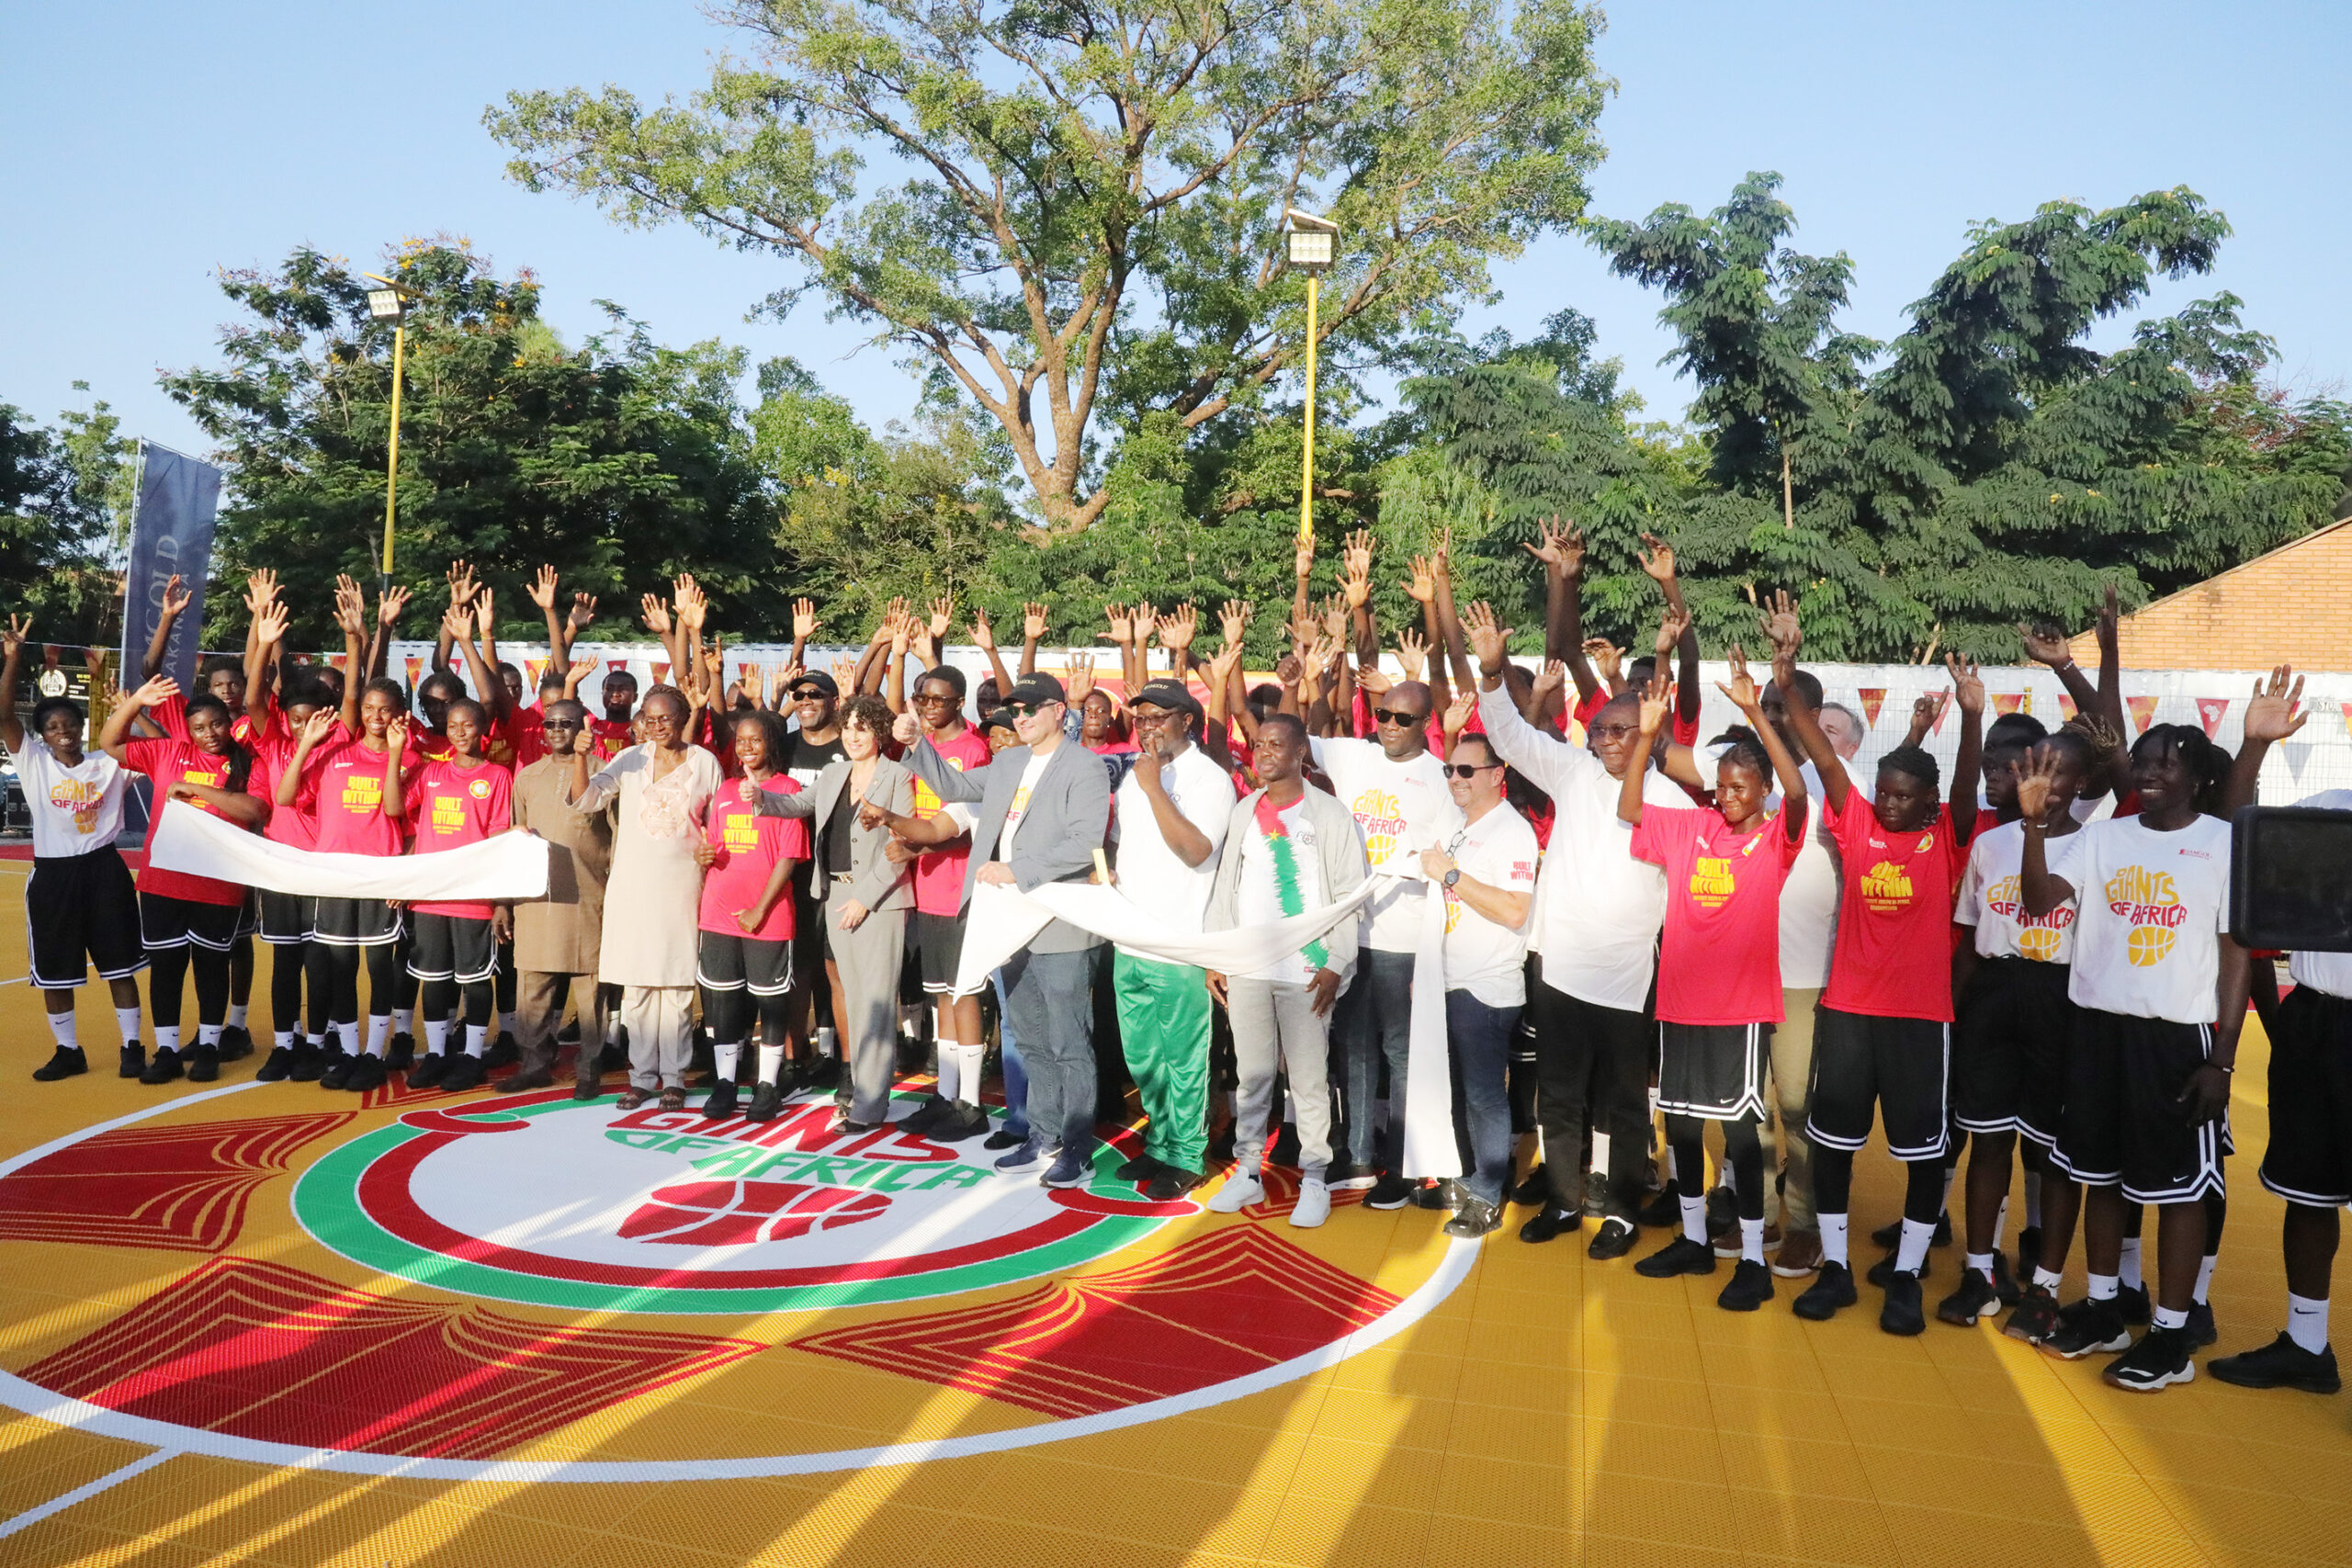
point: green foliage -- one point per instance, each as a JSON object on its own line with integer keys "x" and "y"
{"x": 64, "y": 497}
{"x": 1092, "y": 193}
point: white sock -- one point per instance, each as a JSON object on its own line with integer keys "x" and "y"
{"x": 1912, "y": 1250}
{"x": 404, "y": 1022}
{"x": 827, "y": 1045}
{"x": 1751, "y": 1239}
{"x": 973, "y": 1058}
{"x": 127, "y": 1019}
{"x": 283, "y": 1039}
{"x": 2164, "y": 1318}
{"x": 1694, "y": 1219}
{"x": 2204, "y": 1276}
{"x": 2000, "y": 1223}
{"x": 2103, "y": 1287}
{"x": 1673, "y": 1167}
{"x": 477, "y": 1038}
{"x": 379, "y": 1032}
{"x": 62, "y": 1024}
{"x": 319, "y": 1040}
{"x": 2048, "y": 1278}
{"x": 951, "y": 1069}
{"x": 237, "y": 1015}
{"x": 1833, "y": 1238}
{"x": 436, "y": 1036}
{"x": 167, "y": 1038}
{"x": 1950, "y": 1172}
{"x": 1601, "y": 1153}
{"x": 1982, "y": 1262}
{"x": 2130, "y": 1271}
{"x": 2307, "y": 1321}
{"x": 723, "y": 1060}
{"x": 505, "y": 1023}
{"x": 208, "y": 1036}
{"x": 770, "y": 1063}
{"x": 2033, "y": 1200}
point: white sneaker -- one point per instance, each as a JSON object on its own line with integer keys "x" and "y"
{"x": 1240, "y": 1190}
{"x": 1313, "y": 1204}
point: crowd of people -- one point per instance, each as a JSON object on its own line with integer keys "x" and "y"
{"x": 2027, "y": 958}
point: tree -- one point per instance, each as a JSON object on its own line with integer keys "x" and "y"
{"x": 64, "y": 497}
{"x": 621, "y": 463}
{"x": 1094, "y": 191}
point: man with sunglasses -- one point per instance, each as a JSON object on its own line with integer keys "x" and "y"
{"x": 1396, "y": 790}
{"x": 815, "y": 745}
{"x": 557, "y": 939}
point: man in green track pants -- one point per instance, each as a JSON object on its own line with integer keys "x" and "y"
{"x": 1170, "y": 822}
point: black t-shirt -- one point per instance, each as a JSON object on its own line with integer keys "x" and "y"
{"x": 808, "y": 760}
{"x": 837, "y": 844}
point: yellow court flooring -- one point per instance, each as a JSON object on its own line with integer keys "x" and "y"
{"x": 388, "y": 1369}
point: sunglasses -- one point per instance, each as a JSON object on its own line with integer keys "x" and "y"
{"x": 1390, "y": 716}
{"x": 1027, "y": 710}
{"x": 1615, "y": 732}
{"x": 1466, "y": 770}
{"x": 943, "y": 698}
{"x": 560, "y": 724}
{"x": 808, "y": 694}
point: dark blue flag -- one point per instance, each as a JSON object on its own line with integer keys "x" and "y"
{"x": 171, "y": 535}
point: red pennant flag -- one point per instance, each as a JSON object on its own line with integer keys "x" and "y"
{"x": 1943, "y": 710}
{"x": 620, "y": 664}
{"x": 2066, "y": 707}
{"x": 2143, "y": 711}
{"x": 2210, "y": 711}
{"x": 532, "y": 669}
{"x": 415, "y": 670}
{"x": 2348, "y": 718}
{"x": 660, "y": 671}
{"x": 2007, "y": 702}
{"x": 1874, "y": 698}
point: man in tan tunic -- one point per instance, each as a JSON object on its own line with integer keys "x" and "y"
{"x": 556, "y": 938}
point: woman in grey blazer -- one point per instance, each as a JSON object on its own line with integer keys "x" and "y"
{"x": 864, "y": 901}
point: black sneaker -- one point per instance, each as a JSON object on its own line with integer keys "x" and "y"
{"x": 1171, "y": 1182}
{"x": 1391, "y": 1191}
{"x": 429, "y": 1070}
{"x": 2160, "y": 1359}
{"x": 1143, "y": 1168}
{"x": 1832, "y": 1291}
{"x": 1533, "y": 1189}
{"x": 2085, "y": 1328}
{"x": 338, "y": 1073}
{"x": 1943, "y": 1230}
{"x": 1342, "y": 1174}
{"x": 1975, "y": 1297}
{"x": 2131, "y": 1303}
{"x": 2028, "y": 1251}
{"x": 2036, "y": 1318}
{"x": 1613, "y": 1240}
{"x": 824, "y": 1073}
{"x": 465, "y": 1072}
{"x": 720, "y": 1103}
{"x": 504, "y": 1052}
{"x": 276, "y": 1065}
{"x": 163, "y": 1067}
{"x": 2005, "y": 1284}
{"x": 923, "y": 1117}
{"x": 964, "y": 1122}
{"x": 1006, "y": 1138}
{"x": 367, "y": 1073}
{"x": 236, "y": 1042}
{"x": 402, "y": 1052}
{"x": 1889, "y": 1235}
{"x": 1903, "y": 1312}
{"x": 1750, "y": 1286}
{"x": 767, "y": 1101}
{"x": 1723, "y": 1213}
{"x": 2283, "y": 1363}
{"x": 1681, "y": 1256}
{"x": 65, "y": 1062}
{"x": 204, "y": 1064}
{"x": 133, "y": 1063}
{"x": 309, "y": 1062}
{"x": 1884, "y": 1269}
{"x": 318, "y": 1065}
{"x": 2201, "y": 1331}
{"x": 1472, "y": 1218}
{"x": 1548, "y": 1223}
{"x": 1446, "y": 1196}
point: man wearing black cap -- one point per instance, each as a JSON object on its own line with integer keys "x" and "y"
{"x": 1174, "y": 809}
{"x": 816, "y": 701}
{"x": 1040, "y": 811}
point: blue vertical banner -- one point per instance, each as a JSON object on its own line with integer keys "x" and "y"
{"x": 171, "y": 536}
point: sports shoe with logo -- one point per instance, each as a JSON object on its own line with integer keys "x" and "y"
{"x": 1314, "y": 1206}
{"x": 1446, "y": 1196}
{"x": 1903, "y": 1311}
{"x": 2283, "y": 1363}
{"x": 310, "y": 1061}
{"x": 2085, "y": 1328}
{"x": 1344, "y": 1175}
{"x": 1832, "y": 1291}
{"x": 1472, "y": 1218}
{"x": 429, "y": 1071}
{"x": 1750, "y": 1286}
{"x": 236, "y": 1042}
{"x": 1071, "y": 1169}
{"x": 164, "y": 1066}
{"x": 1681, "y": 1256}
{"x": 961, "y": 1121}
{"x": 1028, "y": 1157}
{"x": 924, "y": 1117}
{"x": 2160, "y": 1359}
{"x": 1242, "y": 1189}
{"x": 1170, "y": 1183}
{"x": 133, "y": 1063}
{"x": 720, "y": 1102}
{"x": 1975, "y": 1297}
{"x": 1730, "y": 1244}
{"x": 64, "y": 1063}
{"x": 2036, "y": 1318}
{"x": 2201, "y": 1331}
{"x": 767, "y": 1102}
{"x": 339, "y": 1071}
{"x": 1391, "y": 1191}
{"x": 275, "y": 1066}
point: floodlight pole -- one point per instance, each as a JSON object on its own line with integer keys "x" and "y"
{"x": 392, "y": 461}
{"x": 1307, "y": 470}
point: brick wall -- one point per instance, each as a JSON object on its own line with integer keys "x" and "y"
{"x": 2293, "y": 605}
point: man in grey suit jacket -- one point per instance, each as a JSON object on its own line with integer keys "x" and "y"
{"x": 1040, "y": 811}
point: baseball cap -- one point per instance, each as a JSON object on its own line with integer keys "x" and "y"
{"x": 818, "y": 679}
{"x": 1170, "y": 694}
{"x": 1036, "y": 690}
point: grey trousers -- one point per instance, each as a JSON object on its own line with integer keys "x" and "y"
{"x": 1788, "y": 1202}
{"x": 868, "y": 959}
{"x": 538, "y": 1010}
{"x": 1049, "y": 1002}
{"x": 1274, "y": 1024}
{"x": 659, "y": 1020}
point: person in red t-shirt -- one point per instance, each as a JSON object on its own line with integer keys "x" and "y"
{"x": 187, "y": 921}
{"x": 1884, "y": 1040}
{"x": 744, "y": 962}
{"x": 1719, "y": 969}
{"x": 458, "y": 800}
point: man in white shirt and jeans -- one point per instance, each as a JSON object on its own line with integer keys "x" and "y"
{"x": 1174, "y": 809}
{"x": 1487, "y": 871}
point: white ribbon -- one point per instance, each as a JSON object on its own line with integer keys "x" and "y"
{"x": 501, "y": 869}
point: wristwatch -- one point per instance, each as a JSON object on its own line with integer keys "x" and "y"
{"x": 1453, "y": 876}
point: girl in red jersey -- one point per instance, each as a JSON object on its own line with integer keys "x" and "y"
{"x": 1719, "y": 971}
{"x": 744, "y": 965}
{"x": 354, "y": 772}
{"x": 459, "y": 799}
{"x": 187, "y": 921}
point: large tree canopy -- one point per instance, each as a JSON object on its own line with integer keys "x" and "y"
{"x": 1094, "y": 190}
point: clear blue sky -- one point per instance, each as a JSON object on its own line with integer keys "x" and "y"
{"x": 146, "y": 145}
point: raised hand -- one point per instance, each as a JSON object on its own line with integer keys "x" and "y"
{"x": 2046, "y": 645}
{"x": 1371, "y": 677}
{"x": 1033, "y": 621}
{"x": 1178, "y": 627}
{"x": 2109, "y": 614}
{"x": 396, "y": 733}
{"x": 486, "y": 610}
{"x": 460, "y": 577}
{"x": 1121, "y": 623}
{"x": 655, "y": 615}
{"x": 175, "y": 597}
{"x": 2037, "y": 775}
{"x": 1357, "y": 553}
{"x": 457, "y": 620}
{"x": 1657, "y": 560}
{"x": 269, "y": 625}
{"x": 1422, "y": 584}
{"x": 12, "y": 639}
{"x": 1550, "y": 680}
{"x": 350, "y": 609}
{"x": 162, "y": 688}
{"x": 906, "y": 729}
{"x": 1607, "y": 659}
{"x": 580, "y": 670}
{"x": 1458, "y": 712}
{"x": 1658, "y": 702}
{"x": 1290, "y": 670}
{"x": 902, "y": 633}
{"x": 1670, "y": 627}
{"x": 1966, "y": 685}
{"x": 1782, "y": 627}
{"x": 1413, "y": 654}
{"x": 692, "y": 606}
{"x": 583, "y": 611}
{"x": 2274, "y": 712}
{"x": 388, "y": 606}
{"x": 261, "y": 590}
{"x": 1233, "y": 621}
{"x": 542, "y": 588}
{"x": 1559, "y": 548}
{"x": 943, "y": 615}
{"x": 1355, "y": 587}
{"x": 804, "y": 620}
{"x": 1486, "y": 640}
{"x": 1926, "y": 710}
{"x": 983, "y": 634}
{"x": 1081, "y": 678}
{"x": 1221, "y": 668}
{"x": 1441, "y": 557}
{"x": 1335, "y": 619}
{"x": 1741, "y": 688}
{"x": 317, "y": 726}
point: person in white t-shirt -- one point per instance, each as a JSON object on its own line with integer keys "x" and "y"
{"x": 1396, "y": 788}
{"x": 1172, "y": 811}
{"x": 80, "y": 909}
{"x": 2163, "y": 992}
{"x": 1487, "y": 870}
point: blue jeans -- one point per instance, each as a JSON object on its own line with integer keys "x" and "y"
{"x": 1016, "y": 1071}
{"x": 1375, "y": 1019}
{"x": 1049, "y": 1002}
{"x": 1480, "y": 1037}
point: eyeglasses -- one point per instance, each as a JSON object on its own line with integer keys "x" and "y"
{"x": 1027, "y": 710}
{"x": 927, "y": 698}
{"x": 1466, "y": 770}
{"x": 1614, "y": 731}
{"x": 808, "y": 694}
{"x": 560, "y": 724}
{"x": 1390, "y": 716}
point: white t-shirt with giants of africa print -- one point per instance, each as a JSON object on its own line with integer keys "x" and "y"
{"x": 2147, "y": 943}
{"x": 1992, "y": 899}
{"x": 1403, "y": 808}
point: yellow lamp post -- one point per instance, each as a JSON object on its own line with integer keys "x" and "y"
{"x": 1313, "y": 244}
{"x": 390, "y": 303}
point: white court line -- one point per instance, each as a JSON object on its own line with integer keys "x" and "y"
{"x": 88, "y": 1489}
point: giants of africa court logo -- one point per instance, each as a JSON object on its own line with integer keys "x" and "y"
{"x": 531, "y": 1287}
